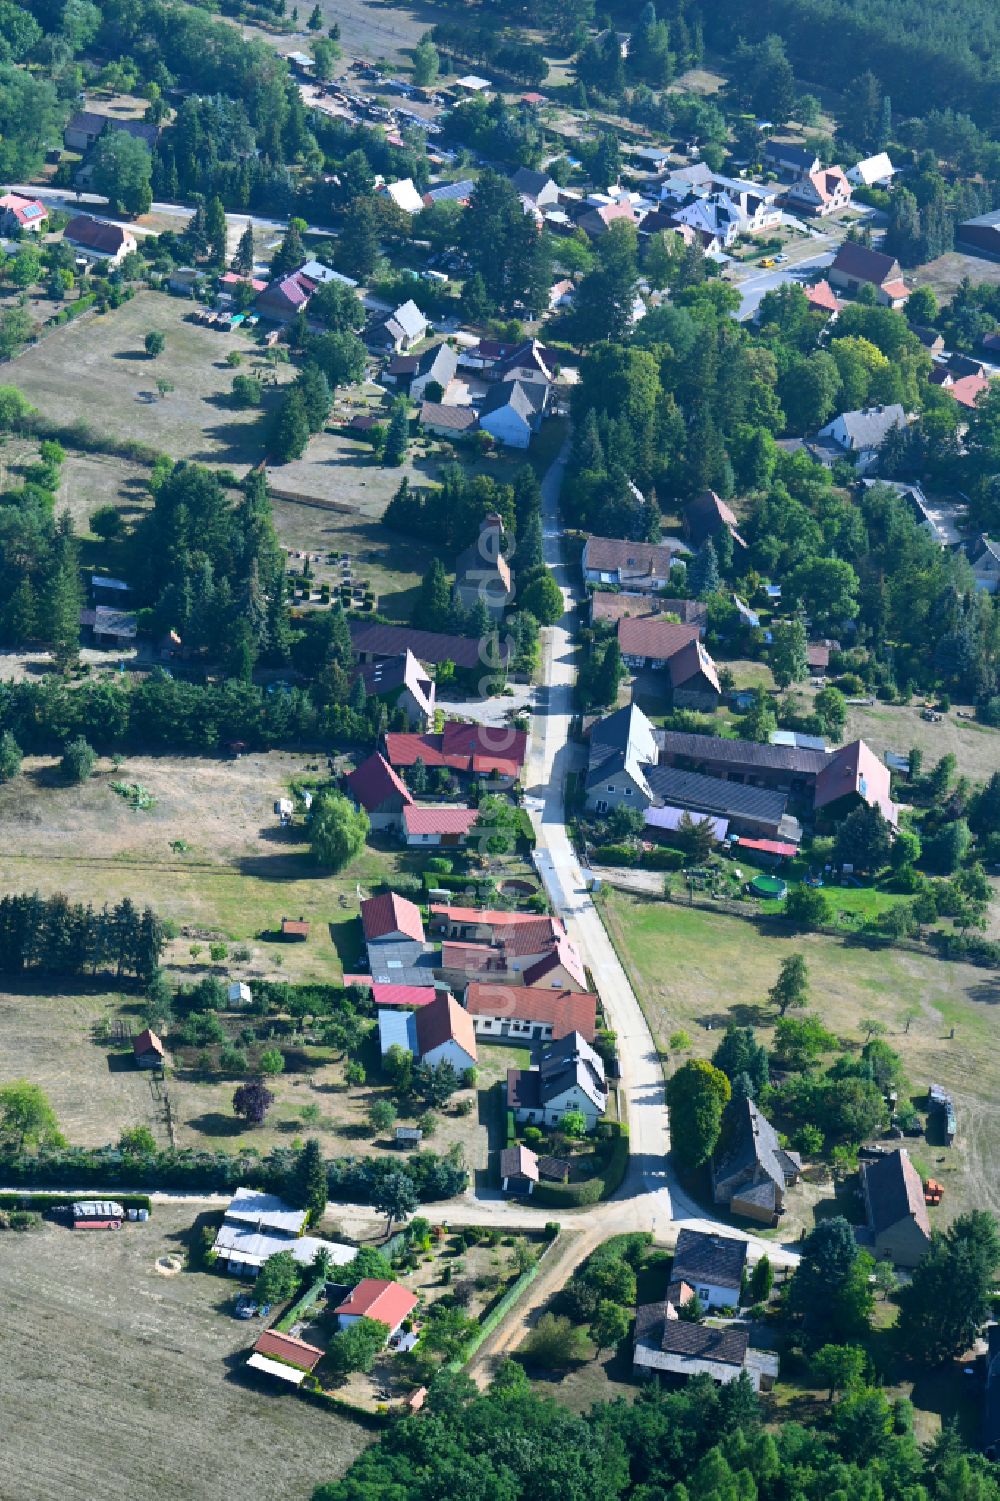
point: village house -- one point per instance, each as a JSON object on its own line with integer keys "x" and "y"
{"x": 568, "y": 1077}
{"x": 514, "y": 948}
{"x": 98, "y": 238}
{"x": 622, "y": 748}
{"x": 712, "y": 1264}
{"x": 433, "y": 826}
{"x": 494, "y": 751}
{"x": 482, "y": 573}
{"x": 755, "y": 811}
{"x": 537, "y": 187}
{"x": 391, "y": 918}
{"x": 751, "y": 1170}
{"x": 667, "y": 1345}
{"x": 787, "y": 157}
{"x": 649, "y": 642}
{"x": 821, "y": 193}
{"x": 404, "y": 684}
{"x": 853, "y": 774}
{"x": 984, "y": 559}
{"x": 642, "y": 567}
{"x": 389, "y": 1303}
{"x": 530, "y": 1013}
{"x": 435, "y": 1033}
{"x": 856, "y": 265}
{"x": 435, "y": 366}
{"x": 403, "y": 328}
{"x": 610, "y": 605}
{"x": 374, "y": 643}
{"x": 873, "y": 172}
{"x": 822, "y": 297}
{"x": 597, "y": 219}
{"x": 376, "y": 787}
{"x": 897, "y": 1226}
{"x": 286, "y": 297}
{"x": 446, "y": 421}
{"x": 860, "y": 435}
{"x": 694, "y": 679}
{"x": 20, "y": 214}
{"x": 404, "y": 195}
{"x": 708, "y": 515}
{"x": 512, "y": 412}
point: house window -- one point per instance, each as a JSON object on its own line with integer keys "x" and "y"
{"x": 628, "y": 791}
{"x": 602, "y": 806}
{"x": 703, "y": 1294}
{"x": 611, "y": 787}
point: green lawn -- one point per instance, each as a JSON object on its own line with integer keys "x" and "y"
{"x": 699, "y": 970}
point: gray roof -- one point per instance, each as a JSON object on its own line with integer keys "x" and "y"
{"x": 717, "y": 1259}
{"x": 568, "y": 1061}
{"x": 409, "y": 318}
{"x": 440, "y": 363}
{"x": 870, "y": 427}
{"x": 709, "y": 749}
{"x": 402, "y": 962}
{"x": 251, "y": 1206}
{"x": 751, "y": 1144}
{"x": 621, "y": 741}
{"x": 379, "y": 640}
{"x": 446, "y": 191}
{"x": 987, "y": 221}
{"x": 701, "y": 794}
{"x": 893, "y": 1192}
{"x": 530, "y": 183}
{"x": 513, "y": 394}
{"x": 787, "y": 151}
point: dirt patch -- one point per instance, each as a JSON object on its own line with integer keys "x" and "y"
{"x": 146, "y": 1376}
{"x": 944, "y": 274}
{"x": 899, "y": 727}
{"x": 96, "y": 371}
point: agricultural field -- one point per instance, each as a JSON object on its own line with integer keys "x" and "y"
{"x": 237, "y": 875}
{"x": 96, "y": 371}
{"x": 698, "y": 971}
{"x": 135, "y": 1363}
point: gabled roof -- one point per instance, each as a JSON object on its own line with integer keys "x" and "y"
{"x": 374, "y": 1298}
{"x": 822, "y": 296}
{"x": 867, "y": 428}
{"x": 565, "y": 954}
{"x": 726, "y": 1345}
{"x": 390, "y": 914}
{"x": 519, "y": 1162}
{"x": 854, "y": 768}
{"x": 450, "y": 192}
{"x": 444, "y": 1020}
{"x": 25, "y": 210}
{"x": 439, "y": 820}
{"x": 894, "y": 1192}
{"x": 374, "y": 783}
{"x": 251, "y": 1206}
{"x": 394, "y": 673}
{"x": 751, "y": 1143}
{"x": 405, "y": 195}
{"x": 438, "y": 363}
{"x": 427, "y": 646}
{"x": 717, "y": 1259}
{"x": 622, "y": 741}
{"x": 605, "y": 605}
{"x": 649, "y": 636}
{"x": 97, "y": 234}
{"x": 863, "y": 264}
{"x": 610, "y": 554}
{"x": 399, "y": 995}
{"x": 409, "y": 319}
{"x": 709, "y": 514}
{"x": 788, "y": 151}
{"x": 702, "y": 794}
{"x": 462, "y": 747}
{"x": 147, "y": 1042}
{"x": 530, "y": 183}
{"x": 457, "y": 419}
{"x": 872, "y": 169}
{"x": 484, "y": 557}
{"x": 714, "y": 749}
{"x": 512, "y": 395}
{"x": 564, "y": 1010}
{"x": 286, "y": 1347}
{"x": 691, "y": 661}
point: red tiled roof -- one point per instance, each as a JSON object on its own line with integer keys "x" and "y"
{"x": 375, "y": 1298}
{"x": 434, "y": 820}
{"x": 895, "y": 289}
{"x": 823, "y": 296}
{"x": 530, "y": 936}
{"x": 97, "y": 234}
{"x": 817, "y": 654}
{"x": 564, "y": 953}
{"x": 649, "y": 636}
{"x": 769, "y": 847}
{"x": 391, "y": 913}
{"x": 461, "y": 747}
{"x": 565, "y": 1010}
{"x": 471, "y": 957}
{"x": 374, "y": 782}
{"x": 297, "y": 927}
{"x": 147, "y": 1042}
{"x": 286, "y": 1347}
{"x": 851, "y": 769}
{"x": 968, "y": 389}
{"x": 444, "y": 1020}
{"x": 403, "y": 995}
{"x": 25, "y": 210}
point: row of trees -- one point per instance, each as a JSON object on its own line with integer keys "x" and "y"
{"x": 56, "y": 936}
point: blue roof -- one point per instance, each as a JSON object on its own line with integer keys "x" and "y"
{"x": 398, "y": 1028}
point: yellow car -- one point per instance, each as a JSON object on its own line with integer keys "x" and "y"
{"x": 767, "y": 263}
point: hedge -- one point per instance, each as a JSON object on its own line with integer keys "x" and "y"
{"x": 592, "y": 1190}
{"x": 482, "y": 885}
{"x": 300, "y": 1306}
{"x": 662, "y": 859}
{"x": 524, "y": 827}
{"x": 73, "y": 309}
{"x": 616, "y": 854}
{"x": 54, "y": 1201}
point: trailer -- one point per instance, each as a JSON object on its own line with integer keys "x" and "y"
{"x": 97, "y": 1214}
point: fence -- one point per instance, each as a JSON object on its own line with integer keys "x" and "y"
{"x": 500, "y": 1309}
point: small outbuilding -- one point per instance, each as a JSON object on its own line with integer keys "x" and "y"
{"x": 295, "y": 929}
{"x": 148, "y": 1050}
{"x": 239, "y": 995}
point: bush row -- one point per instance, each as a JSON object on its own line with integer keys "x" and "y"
{"x": 72, "y": 310}
{"x": 592, "y": 1190}
{"x": 348, "y": 1178}
{"x": 42, "y": 1201}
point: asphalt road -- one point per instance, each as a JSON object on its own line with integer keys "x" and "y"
{"x": 753, "y": 288}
